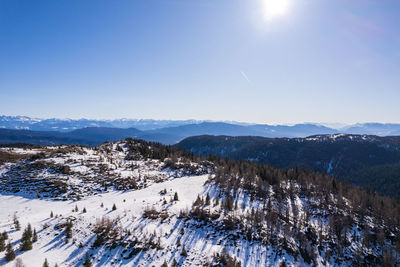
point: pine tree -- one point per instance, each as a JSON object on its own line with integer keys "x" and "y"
{"x": 184, "y": 252}
{"x": 165, "y": 264}
{"x": 26, "y": 242}
{"x": 176, "y": 198}
{"x": 29, "y": 231}
{"x": 87, "y": 262}
{"x": 46, "y": 263}
{"x": 198, "y": 201}
{"x": 208, "y": 199}
{"x": 10, "y": 255}
{"x": 51, "y": 214}
{"x": 34, "y": 237}
{"x": 2, "y": 243}
{"x": 114, "y": 207}
{"x": 5, "y": 235}
{"x": 68, "y": 229}
{"x": 76, "y": 208}
{"x": 84, "y": 210}
{"x": 174, "y": 263}
{"x": 229, "y": 203}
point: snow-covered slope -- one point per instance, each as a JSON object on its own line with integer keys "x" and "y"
{"x": 133, "y": 203}
{"x": 130, "y": 205}
{"x": 69, "y": 172}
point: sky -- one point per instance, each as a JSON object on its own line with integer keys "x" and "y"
{"x": 307, "y": 61}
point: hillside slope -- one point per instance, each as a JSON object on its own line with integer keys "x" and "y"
{"x": 133, "y": 203}
{"x": 353, "y": 158}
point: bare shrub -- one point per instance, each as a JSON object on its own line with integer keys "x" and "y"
{"x": 107, "y": 230}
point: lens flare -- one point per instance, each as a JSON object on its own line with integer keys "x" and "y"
{"x": 274, "y": 8}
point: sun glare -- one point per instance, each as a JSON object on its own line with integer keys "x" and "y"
{"x": 274, "y": 8}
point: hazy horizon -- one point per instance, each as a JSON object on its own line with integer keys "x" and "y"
{"x": 334, "y": 125}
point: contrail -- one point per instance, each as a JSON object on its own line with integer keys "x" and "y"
{"x": 245, "y": 77}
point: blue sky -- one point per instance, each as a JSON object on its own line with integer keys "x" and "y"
{"x": 320, "y": 61}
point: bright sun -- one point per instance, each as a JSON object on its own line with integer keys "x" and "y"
{"x": 274, "y": 8}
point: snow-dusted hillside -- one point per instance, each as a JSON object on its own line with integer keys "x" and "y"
{"x": 69, "y": 172}
{"x": 132, "y": 203}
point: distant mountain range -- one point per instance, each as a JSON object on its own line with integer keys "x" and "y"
{"x": 369, "y": 161}
{"x": 168, "y": 135}
{"x": 172, "y": 131}
{"x": 380, "y": 129}
{"x": 66, "y": 125}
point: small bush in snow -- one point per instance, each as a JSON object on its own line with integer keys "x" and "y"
{"x": 19, "y": 263}
{"x": 16, "y": 223}
{"x": 107, "y": 230}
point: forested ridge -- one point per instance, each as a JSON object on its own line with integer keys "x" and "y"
{"x": 368, "y": 161}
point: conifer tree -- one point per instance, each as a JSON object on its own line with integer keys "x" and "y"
{"x": 114, "y": 207}
{"x": 10, "y": 255}
{"x": 165, "y": 264}
{"x": 174, "y": 263}
{"x": 5, "y": 235}
{"x": 51, "y": 214}
{"x": 176, "y": 198}
{"x": 29, "y": 230}
{"x": 229, "y": 203}
{"x": 184, "y": 252}
{"x": 34, "y": 237}
{"x": 87, "y": 262}
{"x": 208, "y": 199}
{"x": 84, "y": 210}
{"x": 2, "y": 243}
{"x": 68, "y": 229}
{"x": 46, "y": 263}
{"x": 26, "y": 242}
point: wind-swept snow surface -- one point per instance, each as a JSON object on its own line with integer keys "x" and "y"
{"x": 52, "y": 244}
